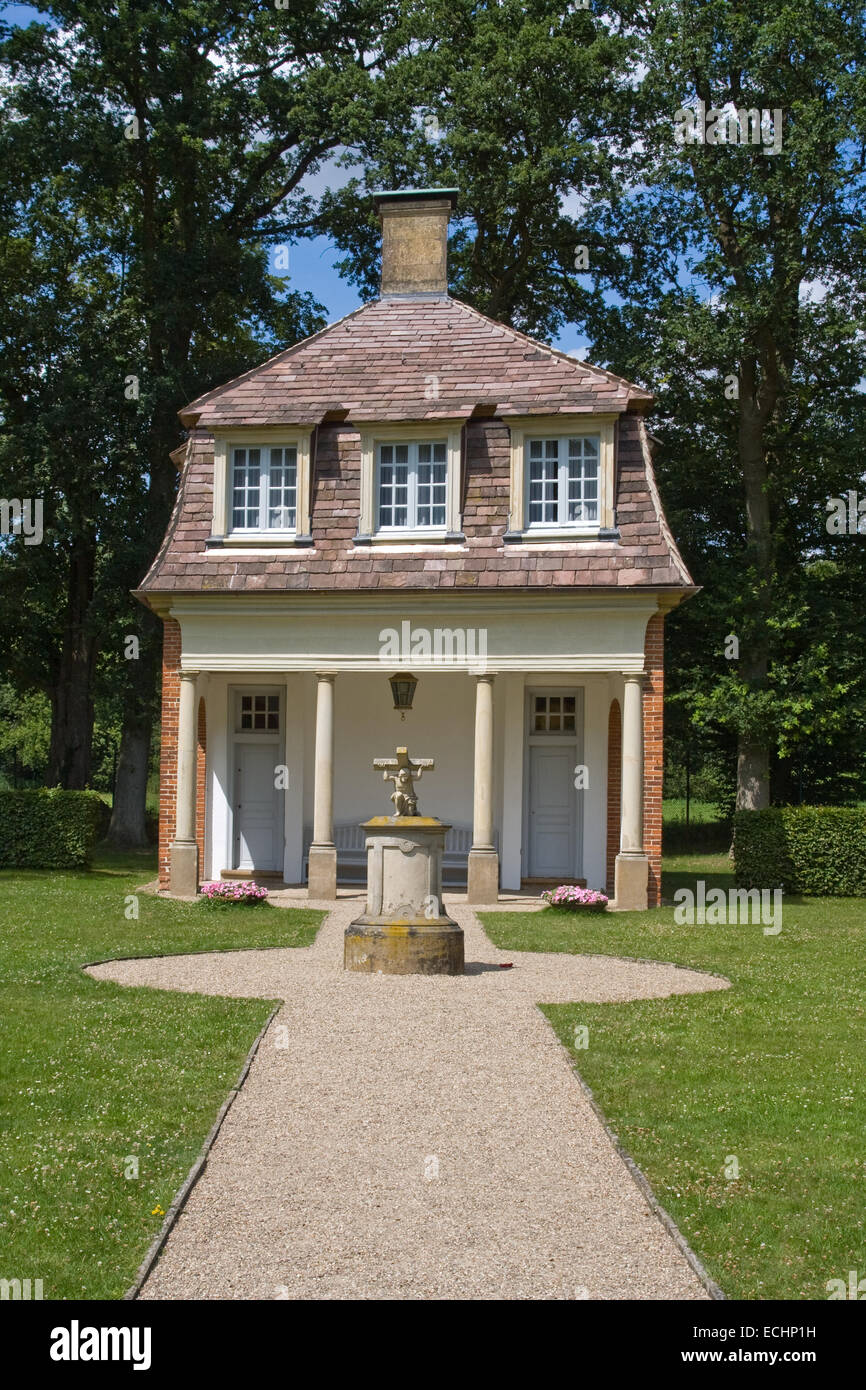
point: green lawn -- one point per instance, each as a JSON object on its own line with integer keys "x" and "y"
{"x": 771, "y": 1073}
{"x": 93, "y": 1073}
{"x": 674, "y": 808}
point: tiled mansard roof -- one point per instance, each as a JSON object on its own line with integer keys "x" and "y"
{"x": 379, "y": 364}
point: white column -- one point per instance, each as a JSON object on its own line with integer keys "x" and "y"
{"x": 322, "y": 870}
{"x": 184, "y": 828}
{"x": 184, "y": 850}
{"x": 482, "y": 809}
{"x": 323, "y": 805}
{"x": 631, "y": 875}
{"x": 631, "y": 824}
{"x": 483, "y": 867}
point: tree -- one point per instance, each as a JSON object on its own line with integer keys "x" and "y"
{"x": 513, "y": 104}
{"x": 562, "y": 127}
{"x": 757, "y": 209}
{"x": 189, "y": 133}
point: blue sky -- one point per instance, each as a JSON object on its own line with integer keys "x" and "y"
{"x": 311, "y": 263}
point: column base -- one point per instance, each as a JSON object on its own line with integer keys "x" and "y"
{"x": 322, "y": 872}
{"x": 631, "y": 883}
{"x": 482, "y": 880}
{"x": 183, "y": 868}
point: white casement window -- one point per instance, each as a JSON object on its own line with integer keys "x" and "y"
{"x": 264, "y": 488}
{"x": 261, "y": 488}
{"x": 562, "y": 479}
{"x": 411, "y": 485}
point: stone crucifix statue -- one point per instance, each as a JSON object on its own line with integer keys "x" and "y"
{"x": 403, "y": 771}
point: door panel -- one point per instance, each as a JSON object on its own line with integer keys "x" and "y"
{"x": 551, "y": 812}
{"x": 258, "y": 833}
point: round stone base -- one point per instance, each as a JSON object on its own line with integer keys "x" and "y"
{"x": 412, "y": 947}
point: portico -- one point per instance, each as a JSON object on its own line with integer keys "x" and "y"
{"x": 522, "y": 746}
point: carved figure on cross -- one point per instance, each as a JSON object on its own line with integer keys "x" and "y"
{"x": 404, "y": 771}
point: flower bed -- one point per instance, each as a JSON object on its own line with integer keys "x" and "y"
{"x": 238, "y": 891}
{"x": 575, "y": 899}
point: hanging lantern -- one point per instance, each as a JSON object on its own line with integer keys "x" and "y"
{"x": 403, "y": 690}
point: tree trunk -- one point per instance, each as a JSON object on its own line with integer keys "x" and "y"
{"x": 753, "y": 758}
{"x": 127, "y": 828}
{"x": 71, "y": 697}
{"x": 753, "y": 777}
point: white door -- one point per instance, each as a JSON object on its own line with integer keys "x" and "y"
{"x": 258, "y": 838}
{"x": 552, "y": 809}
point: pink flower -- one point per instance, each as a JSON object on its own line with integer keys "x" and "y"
{"x": 570, "y": 896}
{"x": 237, "y": 891}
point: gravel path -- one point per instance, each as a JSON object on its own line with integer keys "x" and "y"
{"x": 417, "y": 1137}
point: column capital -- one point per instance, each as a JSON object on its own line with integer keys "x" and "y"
{"x": 489, "y": 677}
{"x": 189, "y": 675}
{"x": 326, "y": 676}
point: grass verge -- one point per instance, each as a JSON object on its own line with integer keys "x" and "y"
{"x": 96, "y": 1074}
{"x": 746, "y": 1108}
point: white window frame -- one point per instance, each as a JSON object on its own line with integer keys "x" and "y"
{"x": 225, "y": 443}
{"x": 413, "y": 467}
{"x": 526, "y": 428}
{"x": 371, "y": 438}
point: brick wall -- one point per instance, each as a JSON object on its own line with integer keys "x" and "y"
{"x": 168, "y": 742}
{"x": 614, "y": 790}
{"x": 200, "y": 768}
{"x": 653, "y": 746}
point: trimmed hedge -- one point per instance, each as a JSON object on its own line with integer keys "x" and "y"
{"x": 49, "y": 828}
{"x": 816, "y": 850}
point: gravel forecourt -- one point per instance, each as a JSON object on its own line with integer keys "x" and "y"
{"x": 412, "y": 1137}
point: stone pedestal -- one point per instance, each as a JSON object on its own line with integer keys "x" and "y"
{"x": 322, "y": 872}
{"x": 404, "y": 930}
{"x": 482, "y": 882}
{"x": 183, "y": 869}
{"x": 631, "y": 882}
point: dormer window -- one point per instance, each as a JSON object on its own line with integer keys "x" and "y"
{"x": 563, "y": 481}
{"x": 562, "y": 478}
{"x": 262, "y": 487}
{"x": 410, "y": 483}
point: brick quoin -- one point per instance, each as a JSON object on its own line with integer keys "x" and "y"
{"x": 653, "y": 753}
{"x": 614, "y": 790}
{"x": 200, "y": 770}
{"x": 168, "y": 743}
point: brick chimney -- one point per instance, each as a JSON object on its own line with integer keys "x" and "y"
{"x": 415, "y": 239}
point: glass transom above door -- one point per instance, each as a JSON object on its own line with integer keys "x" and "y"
{"x": 259, "y": 712}
{"x": 553, "y": 714}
